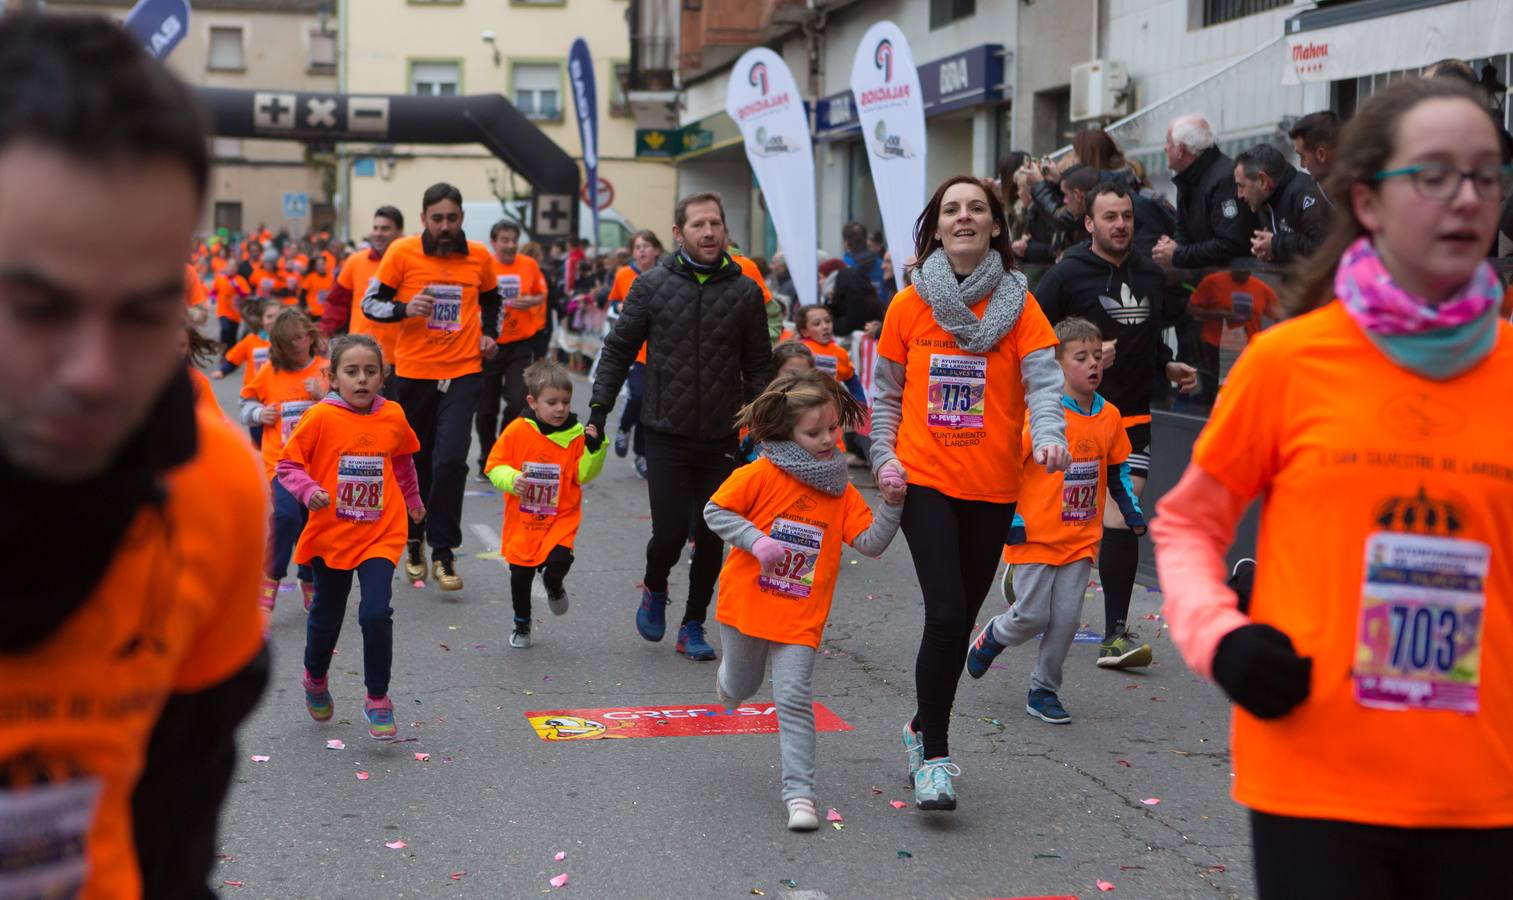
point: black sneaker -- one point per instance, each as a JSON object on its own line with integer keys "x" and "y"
{"x": 520, "y": 636}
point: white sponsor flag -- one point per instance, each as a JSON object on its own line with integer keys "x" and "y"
{"x": 765, "y": 104}
{"x": 892, "y": 115}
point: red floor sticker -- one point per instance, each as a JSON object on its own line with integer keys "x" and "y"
{"x": 666, "y": 721}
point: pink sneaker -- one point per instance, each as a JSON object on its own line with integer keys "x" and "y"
{"x": 270, "y": 594}
{"x": 380, "y": 715}
{"x": 308, "y": 589}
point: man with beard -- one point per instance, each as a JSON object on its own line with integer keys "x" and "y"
{"x": 1122, "y": 293}
{"x": 442, "y": 288}
{"x": 705, "y": 329}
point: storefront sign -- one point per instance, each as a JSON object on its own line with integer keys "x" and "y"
{"x": 1408, "y": 40}
{"x": 969, "y": 78}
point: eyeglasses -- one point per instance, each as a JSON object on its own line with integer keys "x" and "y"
{"x": 1439, "y": 182}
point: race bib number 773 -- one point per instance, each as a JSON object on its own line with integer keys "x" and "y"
{"x": 957, "y": 391}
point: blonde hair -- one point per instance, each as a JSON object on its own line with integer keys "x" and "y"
{"x": 1074, "y": 330}
{"x": 290, "y": 322}
{"x": 773, "y": 415}
{"x": 545, "y": 373}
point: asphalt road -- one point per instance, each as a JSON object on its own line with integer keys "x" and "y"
{"x": 1044, "y": 809}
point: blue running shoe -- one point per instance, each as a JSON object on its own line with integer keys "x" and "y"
{"x": 914, "y": 748}
{"x": 984, "y": 650}
{"x": 640, "y": 465}
{"x": 651, "y": 617}
{"x": 691, "y": 642}
{"x": 1045, "y": 706}
{"x": 932, "y": 784}
{"x": 622, "y": 443}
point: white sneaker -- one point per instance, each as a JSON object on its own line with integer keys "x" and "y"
{"x": 556, "y": 602}
{"x": 520, "y": 636}
{"x": 802, "y": 815}
{"x": 726, "y": 701}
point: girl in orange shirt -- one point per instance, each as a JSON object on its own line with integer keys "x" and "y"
{"x": 816, "y": 329}
{"x": 1374, "y": 692}
{"x": 251, "y": 352}
{"x": 293, "y": 381}
{"x": 785, "y": 516}
{"x": 348, "y": 461}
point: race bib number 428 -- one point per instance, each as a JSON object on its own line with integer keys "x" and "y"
{"x": 360, "y": 488}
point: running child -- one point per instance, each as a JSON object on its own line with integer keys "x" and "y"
{"x": 348, "y": 461}
{"x": 541, "y": 462}
{"x": 785, "y": 516}
{"x": 294, "y": 380}
{"x": 250, "y": 352}
{"x": 1058, "y": 524}
{"x": 788, "y": 358}
{"x": 816, "y": 330}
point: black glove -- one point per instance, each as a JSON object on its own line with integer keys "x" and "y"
{"x": 592, "y": 442}
{"x": 596, "y": 416}
{"x": 1258, "y": 668}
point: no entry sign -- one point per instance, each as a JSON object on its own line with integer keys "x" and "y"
{"x": 666, "y": 721}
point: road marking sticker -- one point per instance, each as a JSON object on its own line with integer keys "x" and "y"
{"x": 666, "y": 721}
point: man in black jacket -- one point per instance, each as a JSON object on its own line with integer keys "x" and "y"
{"x": 131, "y": 644}
{"x": 1293, "y": 213}
{"x": 1116, "y": 288}
{"x": 707, "y": 355}
{"x": 1213, "y": 226}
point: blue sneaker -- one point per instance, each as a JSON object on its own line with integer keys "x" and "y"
{"x": 1045, "y": 706}
{"x": 691, "y": 642}
{"x": 914, "y": 748}
{"x": 932, "y": 784}
{"x": 622, "y": 443}
{"x": 651, "y": 617}
{"x": 984, "y": 650}
{"x": 640, "y": 465}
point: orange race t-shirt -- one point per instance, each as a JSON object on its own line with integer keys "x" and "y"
{"x": 1247, "y": 302}
{"x": 194, "y": 289}
{"x": 316, "y": 286}
{"x": 790, "y": 604}
{"x": 832, "y": 359}
{"x": 251, "y": 352}
{"x": 204, "y": 395}
{"x": 962, "y": 412}
{"x": 264, "y": 282}
{"x": 1063, "y": 512}
{"x": 548, "y": 514}
{"x": 229, "y": 293}
{"x": 445, "y": 345}
{"x": 521, "y": 278}
{"x": 1386, "y": 554}
{"x": 356, "y": 273}
{"x": 286, "y": 392}
{"x": 81, "y": 706}
{"x": 351, "y": 456}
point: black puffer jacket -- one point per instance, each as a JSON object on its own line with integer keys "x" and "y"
{"x": 1296, "y": 215}
{"x": 707, "y": 352}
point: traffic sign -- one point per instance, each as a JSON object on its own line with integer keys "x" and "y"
{"x": 296, "y": 205}
{"x": 606, "y": 194}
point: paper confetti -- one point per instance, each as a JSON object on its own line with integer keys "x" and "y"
{"x": 362, "y": 776}
{"x": 832, "y": 815}
{"x": 561, "y": 855}
{"x": 395, "y": 845}
{"x": 335, "y": 744}
{"x": 457, "y": 876}
{"x": 257, "y": 758}
{"x": 422, "y": 757}
{"x": 897, "y": 804}
{"x": 446, "y": 648}
{"x": 1105, "y": 885}
{"x": 559, "y": 881}
{"x": 232, "y": 883}
{"x": 1125, "y": 763}
{"x": 904, "y": 854}
{"x": 759, "y": 893}
{"x": 877, "y": 790}
{"x": 837, "y": 826}
{"x": 789, "y": 883}
{"x": 1152, "y": 801}
{"x": 417, "y": 584}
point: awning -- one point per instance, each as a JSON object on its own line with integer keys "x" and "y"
{"x": 1387, "y": 36}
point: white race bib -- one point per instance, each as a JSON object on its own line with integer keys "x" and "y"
{"x": 446, "y": 312}
{"x": 801, "y": 543}
{"x": 537, "y": 487}
{"x": 44, "y": 838}
{"x": 289, "y": 414}
{"x": 957, "y": 392}
{"x": 360, "y": 488}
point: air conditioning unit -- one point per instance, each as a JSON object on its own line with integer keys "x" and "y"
{"x": 1100, "y": 90}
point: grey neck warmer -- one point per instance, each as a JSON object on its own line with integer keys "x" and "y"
{"x": 828, "y": 475}
{"x": 951, "y": 301}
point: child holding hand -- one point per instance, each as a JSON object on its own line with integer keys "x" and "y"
{"x": 785, "y": 516}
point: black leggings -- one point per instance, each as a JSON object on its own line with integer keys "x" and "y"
{"x": 681, "y": 475}
{"x": 553, "y": 571}
{"x": 956, "y": 545}
{"x": 1320, "y": 859}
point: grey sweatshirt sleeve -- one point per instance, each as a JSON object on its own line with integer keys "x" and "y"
{"x": 887, "y": 409}
{"x": 733, "y": 528}
{"x": 1043, "y": 382}
{"x": 251, "y": 412}
{"x": 879, "y": 535}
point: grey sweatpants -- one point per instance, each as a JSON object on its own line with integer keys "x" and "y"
{"x": 741, "y": 670}
{"x": 1047, "y": 599}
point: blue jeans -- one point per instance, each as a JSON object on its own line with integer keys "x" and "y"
{"x": 289, "y": 517}
{"x": 374, "y": 616}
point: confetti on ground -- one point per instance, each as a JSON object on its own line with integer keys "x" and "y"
{"x": 837, "y": 826}
{"x": 232, "y": 883}
{"x": 561, "y": 855}
{"x": 1047, "y": 856}
{"x": 422, "y": 757}
{"x": 457, "y": 876}
{"x": 1131, "y": 868}
{"x": 335, "y": 744}
{"x": 417, "y": 584}
{"x": 758, "y": 892}
{"x": 992, "y": 721}
{"x": 1105, "y": 885}
{"x": 898, "y": 804}
{"x": 789, "y": 883}
{"x": 227, "y": 857}
{"x": 446, "y": 648}
{"x": 877, "y": 790}
{"x": 832, "y": 815}
{"x": 395, "y": 845}
{"x": 1216, "y": 868}
{"x": 1152, "y": 801}
{"x": 362, "y": 776}
{"x": 1125, "y": 763}
{"x": 559, "y": 881}
{"x": 257, "y": 758}
{"x": 904, "y": 854}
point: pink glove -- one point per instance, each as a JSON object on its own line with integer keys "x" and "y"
{"x": 768, "y": 552}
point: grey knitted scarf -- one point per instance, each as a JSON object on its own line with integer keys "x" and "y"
{"x": 828, "y": 475}
{"x": 950, "y": 302}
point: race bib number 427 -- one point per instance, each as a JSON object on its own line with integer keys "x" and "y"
{"x": 958, "y": 390}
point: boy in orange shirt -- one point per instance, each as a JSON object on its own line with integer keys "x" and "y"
{"x": 1059, "y": 523}
{"x": 541, "y": 462}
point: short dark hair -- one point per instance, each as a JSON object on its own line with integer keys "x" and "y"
{"x": 1104, "y": 188}
{"x": 439, "y": 192}
{"x": 680, "y": 213}
{"x": 503, "y": 225}
{"x": 82, "y": 85}
{"x": 1317, "y": 129}
{"x": 1263, "y": 158}
{"x": 1452, "y": 70}
{"x": 393, "y": 215}
{"x": 854, "y": 236}
{"x": 647, "y": 235}
{"x": 1079, "y": 178}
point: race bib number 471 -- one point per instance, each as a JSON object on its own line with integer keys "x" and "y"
{"x": 537, "y": 487}
{"x": 1418, "y": 643}
{"x": 446, "y": 312}
{"x": 958, "y": 389}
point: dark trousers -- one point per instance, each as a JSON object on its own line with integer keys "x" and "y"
{"x": 229, "y": 328}
{"x": 681, "y": 475}
{"x": 286, "y": 525}
{"x": 374, "y": 616}
{"x": 553, "y": 571}
{"x": 256, "y": 433}
{"x": 956, "y": 545}
{"x": 440, "y": 419}
{"x": 1320, "y": 859}
{"x": 630, "y": 417}
{"x": 503, "y": 377}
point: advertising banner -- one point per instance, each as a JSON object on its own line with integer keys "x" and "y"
{"x": 890, "y": 107}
